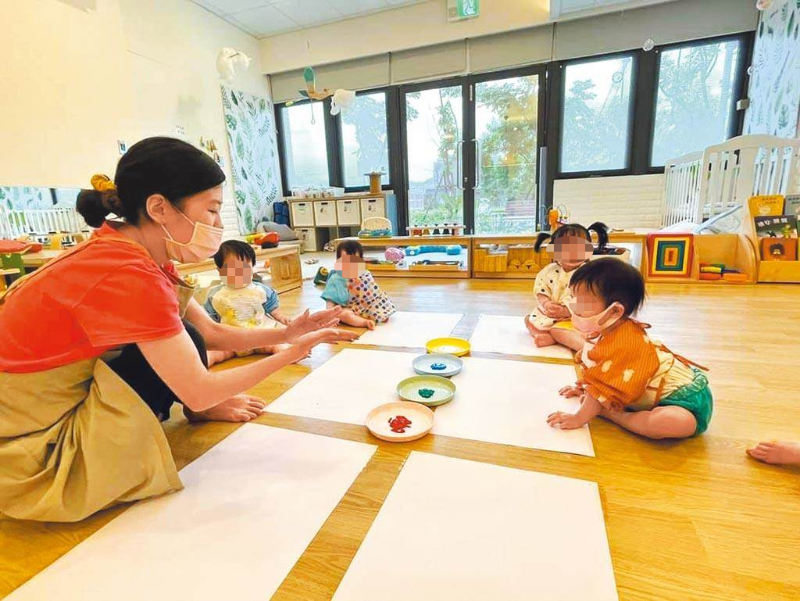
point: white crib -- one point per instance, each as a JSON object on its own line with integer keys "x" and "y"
{"x": 41, "y": 222}
{"x": 702, "y": 185}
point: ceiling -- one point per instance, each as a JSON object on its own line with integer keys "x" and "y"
{"x": 566, "y": 8}
{"x": 263, "y": 18}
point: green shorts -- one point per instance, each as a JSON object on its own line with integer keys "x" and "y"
{"x": 696, "y": 399}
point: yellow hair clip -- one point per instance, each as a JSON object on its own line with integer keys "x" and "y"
{"x": 102, "y": 183}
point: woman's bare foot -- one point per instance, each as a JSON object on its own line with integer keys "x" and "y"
{"x": 215, "y": 357}
{"x": 238, "y": 408}
{"x": 776, "y": 452}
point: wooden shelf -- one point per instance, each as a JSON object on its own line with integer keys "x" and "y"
{"x": 784, "y": 272}
{"x": 735, "y": 251}
{"x": 285, "y": 270}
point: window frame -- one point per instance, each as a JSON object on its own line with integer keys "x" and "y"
{"x": 738, "y": 91}
{"x": 558, "y": 101}
{"x": 641, "y": 120}
{"x": 279, "y": 133}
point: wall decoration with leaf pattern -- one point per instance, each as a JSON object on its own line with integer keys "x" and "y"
{"x": 775, "y": 80}
{"x": 250, "y": 122}
{"x": 20, "y": 198}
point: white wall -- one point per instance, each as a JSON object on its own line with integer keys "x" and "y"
{"x": 75, "y": 82}
{"x": 623, "y": 202}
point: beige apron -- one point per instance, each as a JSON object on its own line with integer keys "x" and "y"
{"x": 77, "y": 439}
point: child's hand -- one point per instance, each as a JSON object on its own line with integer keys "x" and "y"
{"x": 563, "y": 313}
{"x": 565, "y": 421}
{"x": 555, "y": 310}
{"x": 571, "y": 391}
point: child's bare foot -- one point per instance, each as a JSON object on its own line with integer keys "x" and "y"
{"x": 776, "y": 453}
{"x": 271, "y": 350}
{"x": 370, "y": 324}
{"x": 238, "y": 408}
{"x": 215, "y": 357}
{"x": 543, "y": 339}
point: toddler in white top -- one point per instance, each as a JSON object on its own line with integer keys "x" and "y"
{"x": 571, "y": 246}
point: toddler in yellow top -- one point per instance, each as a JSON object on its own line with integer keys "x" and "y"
{"x": 239, "y": 301}
{"x": 571, "y": 246}
{"x": 627, "y": 377}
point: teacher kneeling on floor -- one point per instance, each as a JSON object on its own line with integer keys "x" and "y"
{"x": 98, "y": 344}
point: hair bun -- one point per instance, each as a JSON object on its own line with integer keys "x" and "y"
{"x": 91, "y": 206}
{"x": 108, "y": 193}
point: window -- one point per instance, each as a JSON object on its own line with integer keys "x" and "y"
{"x": 305, "y": 145}
{"x": 596, "y": 115}
{"x": 434, "y": 133}
{"x": 365, "y": 143}
{"x": 695, "y": 98}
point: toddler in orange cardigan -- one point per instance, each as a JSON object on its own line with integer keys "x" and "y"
{"x": 626, "y": 377}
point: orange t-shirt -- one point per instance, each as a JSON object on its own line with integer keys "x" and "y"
{"x": 617, "y": 369}
{"x": 106, "y": 295}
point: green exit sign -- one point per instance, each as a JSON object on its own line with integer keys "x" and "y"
{"x": 463, "y": 9}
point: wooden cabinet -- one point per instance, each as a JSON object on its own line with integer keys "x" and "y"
{"x": 512, "y": 257}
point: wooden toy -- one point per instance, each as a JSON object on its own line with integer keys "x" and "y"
{"x": 444, "y": 229}
{"x": 670, "y": 255}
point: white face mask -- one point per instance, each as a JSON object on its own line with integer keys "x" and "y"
{"x": 205, "y": 241}
{"x": 590, "y": 326}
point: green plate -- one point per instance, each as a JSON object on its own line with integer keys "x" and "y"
{"x": 414, "y": 389}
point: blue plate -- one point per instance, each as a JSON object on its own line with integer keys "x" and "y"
{"x": 438, "y": 364}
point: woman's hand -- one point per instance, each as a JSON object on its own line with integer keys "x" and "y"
{"x": 308, "y": 322}
{"x": 331, "y": 335}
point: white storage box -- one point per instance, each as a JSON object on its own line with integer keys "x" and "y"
{"x": 348, "y": 212}
{"x": 309, "y": 242}
{"x": 325, "y": 212}
{"x": 372, "y": 207}
{"x": 302, "y": 214}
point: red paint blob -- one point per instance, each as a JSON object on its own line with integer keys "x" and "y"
{"x": 399, "y": 424}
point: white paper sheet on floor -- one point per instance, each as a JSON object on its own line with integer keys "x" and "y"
{"x": 411, "y": 330}
{"x": 456, "y": 530}
{"x": 509, "y": 336}
{"x": 251, "y": 506}
{"x": 499, "y": 401}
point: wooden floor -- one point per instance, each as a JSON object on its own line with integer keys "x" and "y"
{"x": 688, "y": 520}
